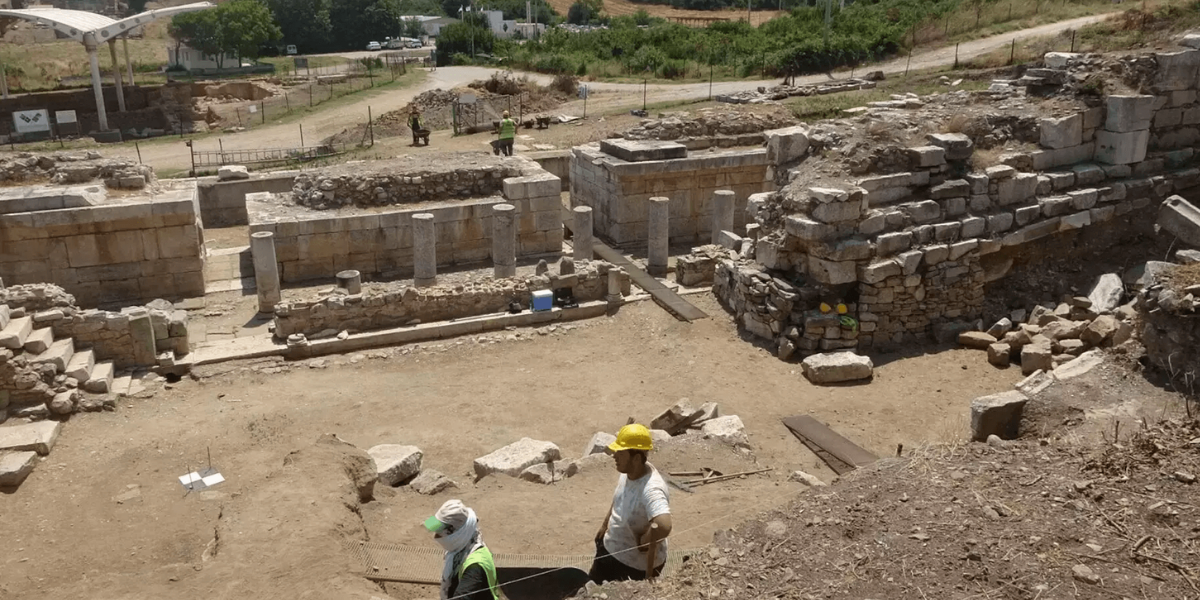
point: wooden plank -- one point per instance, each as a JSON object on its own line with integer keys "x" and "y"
{"x": 663, "y": 296}
{"x": 815, "y": 433}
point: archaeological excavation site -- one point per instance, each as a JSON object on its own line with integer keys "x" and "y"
{"x": 943, "y": 345}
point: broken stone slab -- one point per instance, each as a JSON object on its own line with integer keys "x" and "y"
{"x": 1181, "y": 218}
{"x": 958, "y": 146}
{"x": 38, "y": 437}
{"x": 1106, "y": 293}
{"x": 396, "y": 463}
{"x": 807, "y": 479}
{"x": 1080, "y": 365}
{"x": 1034, "y": 384}
{"x": 539, "y": 473}
{"x": 1058, "y": 60}
{"x": 977, "y": 340}
{"x": 1188, "y": 257}
{"x": 675, "y": 420}
{"x": 1001, "y": 327}
{"x": 64, "y": 403}
{"x": 708, "y": 411}
{"x": 514, "y": 458}
{"x": 599, "y": 443}
{"x": 15, "y": 467}
{"x": 658, "y": 436}
{"x": 430, "y": 482}
{"x": 232, "y": 173}
{"x": 997, "y": 414}
{"x": 728, "y": 429}
{"x": 1100, "y": 330}
{"x": 1147, "y": 273}
{"x": 837, "y": 367}
{"x": 999, "y": 354}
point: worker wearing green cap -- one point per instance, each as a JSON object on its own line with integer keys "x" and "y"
{"x": 469, "y": 573}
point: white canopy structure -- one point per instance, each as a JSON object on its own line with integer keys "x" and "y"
{"x": 91, "y": 30}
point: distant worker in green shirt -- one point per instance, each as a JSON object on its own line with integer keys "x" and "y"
{"x": 508, "y": 131}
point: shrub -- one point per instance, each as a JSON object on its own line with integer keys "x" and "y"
{"x": 566, "y": 84}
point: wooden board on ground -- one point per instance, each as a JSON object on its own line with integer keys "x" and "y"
{"x": 839, "y": 453}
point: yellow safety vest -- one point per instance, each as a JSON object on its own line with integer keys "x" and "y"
{"x": 508, "y": 129}
{"x": 483, "y": 558}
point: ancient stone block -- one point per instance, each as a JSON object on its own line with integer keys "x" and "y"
{"x": 516, "y": 457}
{"x": 997, "y": 414}
{"x": 1062, "y": 132}
{"x": 395, "y": 463}
{"x": 837, "y": 367}
{"x": 1121, "y": 148}
{"x": 1128, "y": 113}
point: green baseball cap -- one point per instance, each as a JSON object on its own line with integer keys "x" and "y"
{"x": 433, "y": 524}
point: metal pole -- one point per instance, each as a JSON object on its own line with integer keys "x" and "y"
{"x": 644, "y": 82}
{"x": 1012, "y": 54}
{"x": 710, "y": 80}
{"x": 909, "y": 63}
{"x": 371, "y": 126}
{"x": 262, "y": 107}
{"x": 139, "y": 151}
{"x": 4, "y": 81}
{"x": 1072, "y": 40}
{"x": 956, "y": 56}
{"x": 116, "y": 67}
{"x": 302, "y": 135}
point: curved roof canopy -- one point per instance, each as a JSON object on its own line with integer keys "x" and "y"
{"x": 76, "y": 24}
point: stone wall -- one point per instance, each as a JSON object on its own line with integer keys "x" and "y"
{"x": 1171, "y": 328}
{"x": 385, "y": 308}
{"x": 318, "y": 245}
{"x": 335, "y": 188}
{"x": 74, "y": 168}
{"x": 111, "y": 253}
{"x": 556, "y": 163}
{"x": 223, "y": 203}
{"x": 619, "y": 191}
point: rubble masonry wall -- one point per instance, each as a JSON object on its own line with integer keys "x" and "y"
{"x": 619, "y": 191}
{"x": 116, "y": 253}
{"x": 374, "y": 309}
{"x": 223, "y": 203}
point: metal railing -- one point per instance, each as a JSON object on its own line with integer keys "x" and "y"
{"x": 261, "y": 157}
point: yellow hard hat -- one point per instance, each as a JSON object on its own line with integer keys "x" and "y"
{"x": 825, "y": 308}
{"x": 632, "y": 437}
{"x": 841, "y": 309}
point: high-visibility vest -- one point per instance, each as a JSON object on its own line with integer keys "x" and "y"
{"x": 508, "y": 129}
{"x": 483, "y": 558}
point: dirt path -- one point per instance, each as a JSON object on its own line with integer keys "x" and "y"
{"x": 67, "y": 537}
{"x": 607, "y": 97}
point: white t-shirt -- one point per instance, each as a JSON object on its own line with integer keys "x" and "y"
{"x": 635, "y": 503}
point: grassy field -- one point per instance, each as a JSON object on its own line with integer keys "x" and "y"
{"x": 41, "y": 66}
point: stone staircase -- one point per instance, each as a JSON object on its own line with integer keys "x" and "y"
{"x": 66, "y": 370}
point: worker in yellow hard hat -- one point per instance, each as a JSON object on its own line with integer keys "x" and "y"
{"x": 632, "y": 541}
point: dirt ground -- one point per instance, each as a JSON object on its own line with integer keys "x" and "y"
{"x": 456, "y": 400}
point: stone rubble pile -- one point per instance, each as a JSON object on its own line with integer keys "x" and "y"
{"x": 783, "y": 92}
{"x": 1050, "y": 334}
{"x": 998, "y": 416}
{"x": 69, "y": 168}
{"x": 709, "y": 123}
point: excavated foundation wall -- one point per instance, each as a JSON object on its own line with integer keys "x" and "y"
{"x": 376, "y": 309}
{"x": 619, "y": 191}
{"x": 911, "y": 252}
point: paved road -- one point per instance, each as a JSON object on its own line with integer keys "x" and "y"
{"x": 607, "y": 96}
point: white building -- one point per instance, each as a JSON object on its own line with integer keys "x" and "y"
{"x": 191, "y": 59}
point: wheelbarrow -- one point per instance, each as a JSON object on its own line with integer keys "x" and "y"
{"x": 422, "y": 135}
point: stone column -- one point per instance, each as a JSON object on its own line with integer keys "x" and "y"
{"x": 504, "y": 240}
{"x": 424, "y": 250}
{"x": 659, "y": 236}
{"x": 722, "y": 213}
{"x": 89, "y": 42}
{"x": 266, "y": 270}
{"x": 116, "y": 66}
{"x": 581, "y": 230}
{"x": 614, "y": 285}
{"x": 351, "y": 281}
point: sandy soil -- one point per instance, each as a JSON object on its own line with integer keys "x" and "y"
{"x": 68, "y": 537}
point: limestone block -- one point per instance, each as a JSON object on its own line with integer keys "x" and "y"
{"x": 892, "y": 243}
{"x": 15, "y": 467}
{"x": 1001, "y": 327}
{"x": 39, "y": 340}
{"x": 396, "y": 463}
{"x": 836, "y": 367}
{"x": 1061, "y": 133}
{"x": 926, "y": 211}
{"x": 57, "y": 354}
{"x": 1177, "y": 70}
{"x": 997, "y": 414}
{"x": 977, "y": 340}
{"x": 950, "y": 189}
{"x": 1058, "y": 60}
{"x": 430, "y": 482}
{"x": 1016, "y": 189}
{"x": 539, "y": 473}
{"x": 996, "y": 173}
{"x": 1121, "y": 148}
{"x": 808, "y": 230}
{"x": 1000, "y": 222}
{"x": 882, "y": 182}
{"x": 1077, "y": 220}
{"x": 958, "y": 146}
{"x": 878, "y": 271}
{"x": 232, "y": 173}
{"x": 80, "y": 366}
{"x": 848, "y": 249}
{"x": 643, "y": 150}
{"x": 100, "y": 379}
{"x": 1177, "y": 216}
{"x": 514, "y": 458}
{"x": 14, "y": 334}
{"x": 587, "y": 463}
{"x": 1088, "y": 174}
{"x": 728, "y": 429}
{"x": 832, "y": 272}
{"x": 786, "y": 145}
{"x": 1100, "y": 330}
{"x": 955, "y": 206}
{"x": 1036, "y": 356}
{"x": 1128, "y": 113}
{"x": 1106, "y": 293}
{"x": 927, "y": 156}
{"x": 837, "y": 212}
{"x": 38, "y": 437}
{"x": 999, "y": 354}
{"x": 909, "y": 261}
{"x": 979, "y": 183}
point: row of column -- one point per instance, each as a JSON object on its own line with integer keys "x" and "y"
{"x": 504, "y": 245}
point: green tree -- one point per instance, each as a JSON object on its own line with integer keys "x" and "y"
{"x": 412, "y": 28}
{"x": 467, "y": 37}
{"x": 356, "y": 22}
{"x": 583, "y": 12}
{"x": 245, "y": 25}
{"x": 199, "y": 30}
{"x": 452, "y": 8}
{"x": 305, "y": 23}
{"x": 136, "y": 7}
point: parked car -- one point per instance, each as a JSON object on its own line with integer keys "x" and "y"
{"x": 374, "y": 46}
{"x": 291, "y": 49}
{"x": 415, "y": 44}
